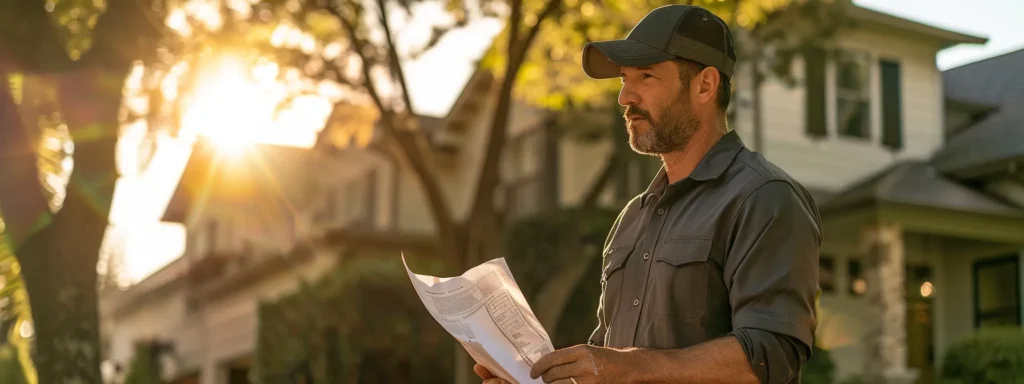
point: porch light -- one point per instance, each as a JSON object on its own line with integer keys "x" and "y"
{"x": 860, "y": 286}
{"x": 926, "y": 289}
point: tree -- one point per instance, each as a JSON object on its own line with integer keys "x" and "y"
{"x": 76, "y": 56}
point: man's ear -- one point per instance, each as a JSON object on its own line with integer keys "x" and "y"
{"x": 708, "y": 82}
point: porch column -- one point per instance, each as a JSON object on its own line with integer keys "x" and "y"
{"x": 886, "y": 360}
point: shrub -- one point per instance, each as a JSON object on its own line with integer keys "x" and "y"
{"x": 820, "y": 369}
{"x": 992, "y": 356}
{"x": 11, "y": 371}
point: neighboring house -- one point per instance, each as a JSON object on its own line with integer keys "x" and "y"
{"x": 920, "y": 197}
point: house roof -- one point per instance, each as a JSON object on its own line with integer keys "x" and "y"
{"x": 994, "y": 142}
{"x": 947, "y": 37}
{"x": 917, "y": 183}
{"x": 993, "y": 81}
{"x": 253, "y": 176}
{"x": 988, "y": 146}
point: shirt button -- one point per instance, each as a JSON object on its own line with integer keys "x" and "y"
{"x": 647, "y": 256}
{"x": 636, "y": 302}
{"x": 661, "y": 211}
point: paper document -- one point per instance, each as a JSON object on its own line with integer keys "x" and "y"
{"x": 485, "y": 310}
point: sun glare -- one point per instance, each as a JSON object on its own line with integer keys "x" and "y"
{"x": 226, "y": 106}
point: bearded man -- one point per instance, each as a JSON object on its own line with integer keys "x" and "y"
{"x": 710, "y": 275}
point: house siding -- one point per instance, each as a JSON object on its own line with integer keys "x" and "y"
{"x": 834, "y": 162}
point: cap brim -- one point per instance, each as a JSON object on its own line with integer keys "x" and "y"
{"x": 604, "y": 59}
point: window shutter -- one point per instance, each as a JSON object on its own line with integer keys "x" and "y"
{"x": 892, "y": 105}
{"x": 814, "y": 80}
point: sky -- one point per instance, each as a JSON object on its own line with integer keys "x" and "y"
{"x": 436, "y": 80}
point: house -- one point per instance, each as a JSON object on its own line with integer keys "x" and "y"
{"x": 915, "y": 172}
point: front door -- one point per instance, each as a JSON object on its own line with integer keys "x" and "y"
{"x": 920, "y": 343}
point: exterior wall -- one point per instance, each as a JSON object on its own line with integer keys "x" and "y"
{"x": 835, "y": 162}
{"x": 844, "y": 316}
{"x": 956, "y": 317}
{"x": 218, "y": 332}
{"x": 298, "y": 204}
{"x": 229, "y": 323}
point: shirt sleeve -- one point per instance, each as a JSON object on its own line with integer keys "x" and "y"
{"x": 775, "y": 358}
{"x": 771, "y": 267}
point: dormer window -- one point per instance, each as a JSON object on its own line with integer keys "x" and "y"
{"x": 853, "y": 94}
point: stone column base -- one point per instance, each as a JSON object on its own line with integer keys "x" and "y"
{"x": 906, "y": 376}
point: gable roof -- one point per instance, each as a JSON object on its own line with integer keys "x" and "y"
{"x": 987, "y": 147}
{"x": 918, "y": 183}
{"x": 254, "y": 176}
{"x": 992, "y": 81}
{"x": 946, "y": 37}
{"x": 993, "y": 143}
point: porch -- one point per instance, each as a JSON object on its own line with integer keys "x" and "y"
{"x": 913, "y": 262}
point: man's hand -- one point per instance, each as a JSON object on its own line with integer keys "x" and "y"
{"x": 487, "y": 376}
{"x": 584, "y": 364}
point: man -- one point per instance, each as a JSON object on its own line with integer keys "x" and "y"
{"x": 710, "y": 276}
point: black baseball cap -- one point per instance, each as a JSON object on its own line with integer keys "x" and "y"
{"x": 666, "y": 33}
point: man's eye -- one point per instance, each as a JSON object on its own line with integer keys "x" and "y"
{"x": 646, "y": 75}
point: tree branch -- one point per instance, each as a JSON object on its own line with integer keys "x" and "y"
{"x": 489, "y": 176}
{"x": 414, "y": 158}
{"x": 514, "y": 20}
{"x": 396, "y": 63}
{"x": 548, "y": 10}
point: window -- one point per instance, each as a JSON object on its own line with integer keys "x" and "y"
{"x": 858, "y": 284}
{"x": 997, "y": 292}
{"x": 360, "y": 200}
{"x": 853, "y": 94}
{"x": 826, "y": 273}
{"x": 524, "y": 179}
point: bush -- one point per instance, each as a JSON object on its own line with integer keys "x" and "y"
{"x": 994, "y": 356}
{"x": 11, "y": 371}
{"x": 820, "y": 369}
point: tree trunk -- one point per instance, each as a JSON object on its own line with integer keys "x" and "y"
{"x": 59, "y": 261}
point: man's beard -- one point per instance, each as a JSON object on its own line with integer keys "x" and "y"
{"x": 671, "y": 132}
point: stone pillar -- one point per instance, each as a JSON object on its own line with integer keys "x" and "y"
{"x": 886, "y": 360}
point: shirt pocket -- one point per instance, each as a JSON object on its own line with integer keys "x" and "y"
{"x": 680, "y": 283}
{"x": 612, "y": 278}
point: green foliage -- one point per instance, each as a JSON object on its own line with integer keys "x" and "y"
{"x": 11, "y": 371}
{"x": 820, "y": 369}
{"x": 553, "y": 77}
{"x": 360, "y": 323}
{"x": 536, "y": 241}
{"x": 145, "y": 366}
{"x": 990, "y": 356}
{"x": 15, "y": 350}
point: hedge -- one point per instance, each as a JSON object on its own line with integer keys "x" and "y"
{"x": 990, "y": 356}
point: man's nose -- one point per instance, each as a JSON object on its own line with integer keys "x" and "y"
{"x": 627, "y": 96}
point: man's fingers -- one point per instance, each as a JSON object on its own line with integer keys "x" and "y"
{"x": 553, "y": 359}
{"x": 483, "y": 372}
{"x": 496, "y": 380}
{"x": 558, "y": 374}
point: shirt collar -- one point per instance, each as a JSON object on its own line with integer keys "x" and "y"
{"x": 711, "y": 167}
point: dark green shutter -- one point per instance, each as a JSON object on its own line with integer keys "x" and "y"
{"x": 814, "y": 80}
{"x": 892, "y": 105}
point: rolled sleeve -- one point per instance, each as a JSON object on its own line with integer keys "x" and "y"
{"x": 772, "y": 265}
{"x": 775, "y": 358}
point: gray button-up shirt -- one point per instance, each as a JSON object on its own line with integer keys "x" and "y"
{"x": 731, "y": 249}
